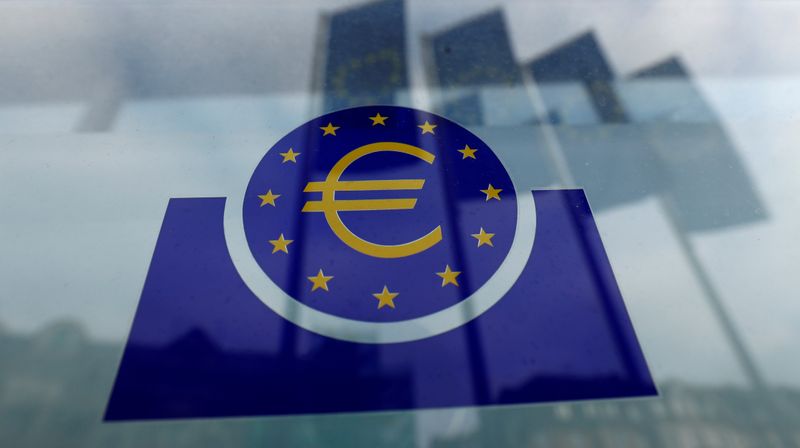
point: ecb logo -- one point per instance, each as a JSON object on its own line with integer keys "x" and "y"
{"x": 380, "y": 224}
{"x": 378, "y": 258}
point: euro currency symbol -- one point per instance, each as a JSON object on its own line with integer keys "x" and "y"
{"x": 331, "y": 207}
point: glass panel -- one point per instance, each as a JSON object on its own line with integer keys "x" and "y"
{"x": 678, "y": 120}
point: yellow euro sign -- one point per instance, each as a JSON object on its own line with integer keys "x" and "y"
{"x": 331, "y": 207}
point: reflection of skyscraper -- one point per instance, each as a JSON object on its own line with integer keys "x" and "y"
{"x": 576, "y": 83}
{"x": 478, "y": 79}
{"x": 362, "y": 56}
{"x": 582, "y": 63}
{"x": 678, "y": 148}
{"x": 709, "y": 186}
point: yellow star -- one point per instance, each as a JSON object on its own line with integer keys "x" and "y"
{"x": 329, "y": 129}
{"x": 427, "y": 128}
{"x": 468, "y": 152}
{"x": 385, "y": 298}
{"x": 378, "y": 119}
{"x": 483, "y": 238}
{"x": 448, "y": 276}
{"x": 320, "y": 281}
{"x": 290, "y": 156}
{"x": 492, "y": 193}
{"x": 268, "y": 198}
{"x": 280, "y": 244}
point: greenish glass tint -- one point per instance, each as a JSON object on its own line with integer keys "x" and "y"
{"x": 680, "y": 119}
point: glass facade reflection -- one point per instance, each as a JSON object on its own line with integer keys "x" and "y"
{"x": 363, "y": 55}
{"x": 680, "y": 124}
{"x": 487, "y": 93}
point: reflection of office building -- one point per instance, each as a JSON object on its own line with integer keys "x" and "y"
{"x": 709, "y": 187}
{"x": 576, "y": 84}
{"x": 676, "y": 148}
{"x": 652, "y": 135}
{"x": 473, "y": 68}
{"x": 361, "y": 56}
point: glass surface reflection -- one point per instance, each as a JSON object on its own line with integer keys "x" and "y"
{"x": 367, "y": 314}
{"x": 682, "y": 130}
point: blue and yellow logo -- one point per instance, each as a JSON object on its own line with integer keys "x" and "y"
{"x": 379, "y": 258}
{"x": 380, "y": 214}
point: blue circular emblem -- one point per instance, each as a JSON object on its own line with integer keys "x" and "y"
{"x": 380, "y": 214}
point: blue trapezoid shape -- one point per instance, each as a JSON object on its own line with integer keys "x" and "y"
{"x": 202, "y": 345}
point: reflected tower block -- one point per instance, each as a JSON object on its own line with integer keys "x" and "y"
{"x": 478, "y": 79}
{"x": 361, "y": 56}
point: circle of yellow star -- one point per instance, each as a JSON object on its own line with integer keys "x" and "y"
{"x": 378, "y": 119}
{"x": 468, "y": 152}
{"x": 427, "y": 128}
{"x": 492, "y": 193}
{"x": 385, "y": 298}
{"x": 483, "y": 238}
{"x": 320, "y": 281}
{"x": 268, "y": 198}
{"x": 281, "y": 244}
{"x": 290, "y": 156}
{"x": 330, "y": 129}
{"x": 448, "y": 276}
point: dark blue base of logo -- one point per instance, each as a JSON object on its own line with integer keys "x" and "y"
{"x": 202, "y": 345}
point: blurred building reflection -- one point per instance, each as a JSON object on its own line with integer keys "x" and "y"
{"x": 361, "y": 56}
{"x": 622, "y": 144}
{"x": 610, "y": 160}
{"x": 577, "y": 82}
{"x": 690, "y": 141}
{"x": 489, "y": 92}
